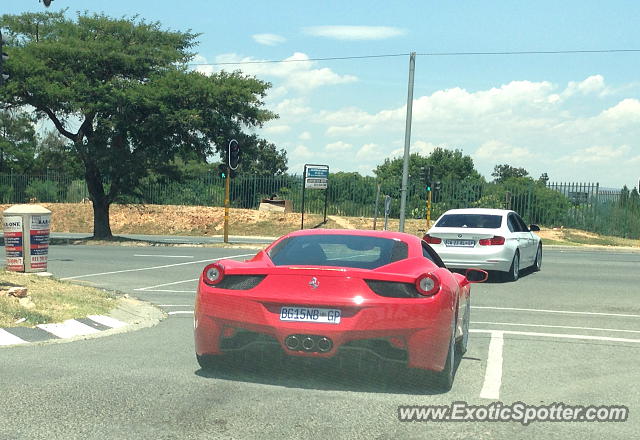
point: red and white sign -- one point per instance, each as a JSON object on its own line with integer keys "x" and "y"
{"x": 39, "y": 240}
{"x": 13, "y": 242}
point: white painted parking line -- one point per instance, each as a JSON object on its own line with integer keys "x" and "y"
{"x": 493, "y": 373}
{"x": 163, "y": 256}
{"x": 560, "y": 335}
{"x": 166, "y": 284}
{"x": 566, "y": 312}
{"x": 68, "y": 329}
{"x": 155, "y": 267}
{"x": 170, "y": 291}
{"x": 175, "y": 305}
{"x": 107, "y": 321}
{"x": 557, "y": 326}
{"x": 186, "y": 312}
{"x": 7, "y": 338}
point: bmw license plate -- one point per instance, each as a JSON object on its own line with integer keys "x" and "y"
{"x": 460, "y": 243}
{"x": 310, "y": 314}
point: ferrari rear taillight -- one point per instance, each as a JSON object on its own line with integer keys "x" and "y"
{"x": 493, "y": 241}
{"x": 427, "y": 284}
{"x": 432, "y": 240}
{"x": 213, "y": 274}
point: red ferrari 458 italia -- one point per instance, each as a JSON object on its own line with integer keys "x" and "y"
{"x": 320, "y": 293}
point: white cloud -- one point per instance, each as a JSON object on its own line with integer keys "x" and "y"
{"x": 598, "y": 155}
{"x": 370, "y": 151}
{"x": 296, "y": 71}
{"x": 268, "y": 39}
{"x": 592, "y": 85}
{"x": 302, "y": 152}
{"x": 277, "y": 129}
{"x": 305, "y": 136}
{"x": 355, "y": 32}
{"x": 336, "y": 147}
{"x": 291, "y": 108}
{"x": 497, "y": 151}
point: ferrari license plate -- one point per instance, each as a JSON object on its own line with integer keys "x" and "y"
{"x": 459, "y": 243}
{"x": 310, "y": 314}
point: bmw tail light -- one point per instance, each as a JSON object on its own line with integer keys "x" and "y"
{"x": 493, "y": 241}
{"x": 432, "y": 240}
{"x": 213, "y": 274}
{"x": 427, "y": 284}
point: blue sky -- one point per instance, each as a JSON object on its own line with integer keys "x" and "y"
{"x": 573, "y": 116}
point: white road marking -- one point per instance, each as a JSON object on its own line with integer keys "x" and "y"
{"x": 107, "y": 321}
{"x": 174, "y": 305}
{"x": 7, "y": 338}
{"x": 167, "y": 284}
{"x": 189, "y": 312}
{"x": 557, "y": 326}
{"x": 170, "y": 291}
{"x": 567, "y": 312}
{"x": 155, "y": 267}
{"x": 493, "y": 373}
{"x": 163, "y": 256}
{"x": 559, "y": 335}
{"x": 68, "y": 329}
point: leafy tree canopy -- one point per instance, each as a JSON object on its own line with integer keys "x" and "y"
{"x": 504, "y": 172}
{"x": 121, "y": 92}
{"x": 17, "y": 142}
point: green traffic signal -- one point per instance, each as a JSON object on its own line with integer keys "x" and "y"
{"x": 429, "y": 188}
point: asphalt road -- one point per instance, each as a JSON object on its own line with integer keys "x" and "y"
{"x": 570, "y": 334}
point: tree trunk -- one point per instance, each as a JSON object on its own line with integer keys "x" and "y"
{"x": 101, "y": 203}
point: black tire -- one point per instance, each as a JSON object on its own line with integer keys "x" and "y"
{"x": 537, "y": 265}
{"x": 514, "y": 270}
{"x": 210, "y": 362}
{"x": 443, "y": 380}
{"x": 463, "y": 342}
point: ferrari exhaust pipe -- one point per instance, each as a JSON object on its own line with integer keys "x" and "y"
{"x": 292, "y": 342}
{"x": 308, "y": 343}
{"x": 324, "y": 345}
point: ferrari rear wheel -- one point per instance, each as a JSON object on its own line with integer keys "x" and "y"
{"x": 443, "y": 380}
{"x": 514, "y": 270}
{"x": 461, "y": 344}
{"x": 209, "y": 361}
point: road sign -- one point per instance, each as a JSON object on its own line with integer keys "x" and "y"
{"x": 316, "y": 176}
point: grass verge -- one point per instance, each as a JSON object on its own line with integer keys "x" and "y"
{"x": 53, "y": 300}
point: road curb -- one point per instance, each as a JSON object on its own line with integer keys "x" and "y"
{"x": 130, "y": 315}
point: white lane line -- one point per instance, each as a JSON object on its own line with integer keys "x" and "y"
{"x": 560, "y": 335}
{"x": 167, "y": 284}
{"x": 155, "y": 267}
{"x": 493, "y": 373}
{"x": 175, "y": 305}
{"x": 171, "y": 291}
{"x": 107, "y": 321}
{"x": 7, "y": 338}
{"x": 163, "y": 256}
{"x": 68, "y": 329}
{"x": 189, "y": 312}
{"x": 567, "y": 312}
{"x": 557, "y": 326}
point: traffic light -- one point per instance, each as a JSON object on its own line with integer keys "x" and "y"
{"x": 234, "y": 154}
{"x": 428, "y": 186}
{"x": 222, "y": 171}
{"x": 47, "y": 3}
{"x": 3, "y": 58}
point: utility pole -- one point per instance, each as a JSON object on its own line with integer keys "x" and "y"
{"x": 407, "y": 141}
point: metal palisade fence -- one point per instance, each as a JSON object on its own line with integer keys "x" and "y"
{"x": 579, "y": 205}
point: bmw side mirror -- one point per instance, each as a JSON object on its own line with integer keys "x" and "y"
{"x": 534, "y": 228}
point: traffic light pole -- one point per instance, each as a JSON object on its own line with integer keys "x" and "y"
{"x": 226, "y": 205}
{"x": 428, "y": 209}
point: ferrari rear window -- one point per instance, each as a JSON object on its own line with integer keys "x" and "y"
{"x": 338, "y": 250}
{"x": 485, "y": 221}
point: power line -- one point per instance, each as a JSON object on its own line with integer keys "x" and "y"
{"x": 424, "y": 54}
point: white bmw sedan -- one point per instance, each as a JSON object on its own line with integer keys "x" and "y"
{"x": 489, "y": 239}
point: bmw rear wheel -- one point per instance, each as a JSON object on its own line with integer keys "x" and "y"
{"x": 537, "y": 265}
{"x": 514, "y": 270}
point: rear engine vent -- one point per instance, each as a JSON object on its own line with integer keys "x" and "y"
{"x": 240, "y": 282}
{"x": 392, "y": 289}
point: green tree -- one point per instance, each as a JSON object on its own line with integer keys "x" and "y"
{"x": 125, "y": 84}
{"x": 17, "y": 142}
{"x": 55, "y": 153}
{"x": 502, "y": 173}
